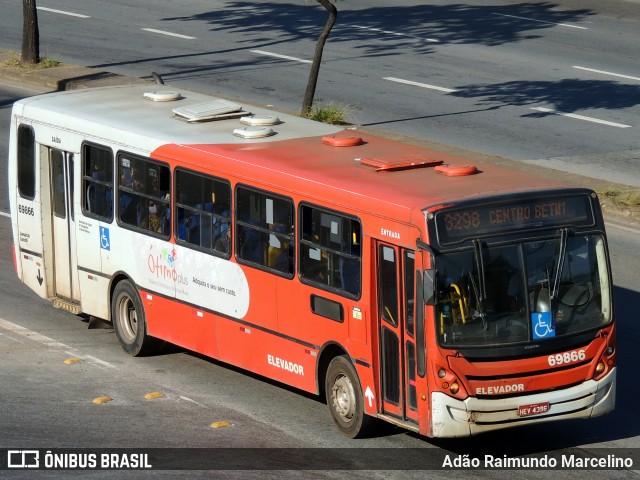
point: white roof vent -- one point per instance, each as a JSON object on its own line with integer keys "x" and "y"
{"x": 260, "y": 120}
{"x": 215, "y": 110}
{"x": 162, "y": 96}
{"x": 253, "y": 132}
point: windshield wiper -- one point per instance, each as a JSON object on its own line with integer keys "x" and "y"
{"x": 553, "y": 293}
{"x": 482, "y": 284}
{"x": 480, "y": 290}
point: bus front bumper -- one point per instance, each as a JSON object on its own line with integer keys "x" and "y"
{"x": 462, "y": 418}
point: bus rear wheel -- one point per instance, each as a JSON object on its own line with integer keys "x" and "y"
{"x": 345, "y": 398}
{"x": 129, "y": 322}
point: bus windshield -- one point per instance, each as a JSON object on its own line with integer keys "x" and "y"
{"x": 494, "y": 295}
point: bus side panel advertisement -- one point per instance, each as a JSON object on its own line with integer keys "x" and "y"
{"x": 205, "y": 280}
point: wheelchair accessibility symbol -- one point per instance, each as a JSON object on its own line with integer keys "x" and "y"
{"x": 543, "y": 326}
{"x": 105, "y": 243}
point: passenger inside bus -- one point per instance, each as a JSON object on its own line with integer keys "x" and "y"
{"x": 223, "y": 243}
{"x": 152, "y": 221}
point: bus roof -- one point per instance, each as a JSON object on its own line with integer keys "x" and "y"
{"x": 378, "y": 174}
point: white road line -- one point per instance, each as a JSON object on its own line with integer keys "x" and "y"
{"x": 283, "y": 57}
{"x": 5, "y": 214}
{"x": 581, "y": 117}
{"x": 397, "y": 34}
{"x": 49, "y": 342}
{"x": 627, "y": 228}
{"x": 607, "y": 73}
{"x": 11, "y": 338}
{"x": 30, "y": 334}
{"x": 95, "y": 360}
{"x": 421, "y": 85}
{"x": 542, "y": 21}
{"x": 187, "y": 399}
{"x": 62, "y": 12}
{"x": 170, "y": 34}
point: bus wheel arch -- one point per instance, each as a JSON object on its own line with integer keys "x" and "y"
{"x": 327, "y": 353}
{"x": 345, "y": 398}
{"x": 129, "y": 318}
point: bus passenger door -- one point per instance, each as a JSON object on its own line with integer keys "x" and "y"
{"x": 62, "y": 223}
{"x": 396, "y": 317}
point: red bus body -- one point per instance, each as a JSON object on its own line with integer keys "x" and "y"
{"x": 391, "y": 297}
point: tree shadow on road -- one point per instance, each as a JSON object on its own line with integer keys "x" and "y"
{"x": 363, "y": 32}
{"x": 567, "y": 95}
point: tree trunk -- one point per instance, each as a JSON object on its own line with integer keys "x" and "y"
{"x": 30, "y": 33}
{"x": 307, "y": 103}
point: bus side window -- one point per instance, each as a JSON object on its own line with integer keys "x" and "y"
{"x": 330, "y": 250}
{"x": 144, "y": 194}
{"x": 26, "y": 161}
{"x": 202, "y": 212}
{"x": 265, "y": 230}
{"x": 97, "y": 177}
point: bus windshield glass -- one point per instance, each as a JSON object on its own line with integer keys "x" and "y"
{"x": 524, "y": 292}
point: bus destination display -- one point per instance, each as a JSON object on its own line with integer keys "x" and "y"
{"x": 471, "y": 221}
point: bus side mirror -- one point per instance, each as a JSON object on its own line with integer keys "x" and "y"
{"x": 429, "y": 287}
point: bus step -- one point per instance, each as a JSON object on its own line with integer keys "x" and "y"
{"x": 398, "y": 422}
{"x": 66, "y": 305}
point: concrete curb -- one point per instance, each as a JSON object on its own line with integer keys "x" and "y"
{"x": 63, "y": 77}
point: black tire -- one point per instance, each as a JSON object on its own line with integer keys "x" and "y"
{"x": 345, "y": 399}
{"x": 129, "y": 321}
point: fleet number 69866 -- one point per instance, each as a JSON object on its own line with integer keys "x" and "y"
{"x": 567, "y": 357}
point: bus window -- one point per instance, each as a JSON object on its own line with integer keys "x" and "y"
{"x": 203, "y": 211}
{"x": 574, "y": 289}
{"x": 265, "y": 230}
{"x": 409, "y": 291}
{"x": 388, "y": 285}
{"x": 26, "y": 161}
{"x": 97, "y": 178}
{"x": 485, "y": 302}
{"x": 58, "y": 184}
{"x": 330, "y": 250}
{"x": 143, "y": 194}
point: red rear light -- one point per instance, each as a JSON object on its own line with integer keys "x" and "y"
{"x": 15, "y": 260}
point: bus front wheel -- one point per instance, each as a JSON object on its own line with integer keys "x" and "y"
{"x": 129, "y": 323}
{"x": 345, "y": 398}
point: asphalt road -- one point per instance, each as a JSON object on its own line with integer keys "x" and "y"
{"x": 554, "y": 84}
{"x": 47, "y": 397}
{"x": 502, "y": 61}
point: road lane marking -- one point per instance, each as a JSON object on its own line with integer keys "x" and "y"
{"x": 5, "y": 214}
{"x": 542, "y": 21}
{"x": 581, "y": 117}
{"x": 96, "y": 360}
{"x": 606, "y": 73}
{"x": 397, "y": 34}
{"x": 170, "y": 34}
{"x": 62, "y": 12}
{"x": 50, "y": 342}
{"x": 187, "y": 399}
{"x": 11, "y": 338}
{"x": 31, "y": 335}
{"x": 277, "y": 55}
{"x": 421, "y": 85}
{"x": 627, "y": 228}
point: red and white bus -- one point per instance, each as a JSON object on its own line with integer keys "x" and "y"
{"x": 401, "y": 283}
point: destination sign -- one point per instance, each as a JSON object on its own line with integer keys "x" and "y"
{"x": 459, "y": 223}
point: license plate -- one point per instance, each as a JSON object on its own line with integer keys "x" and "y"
{"x": 533, "y": 409}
